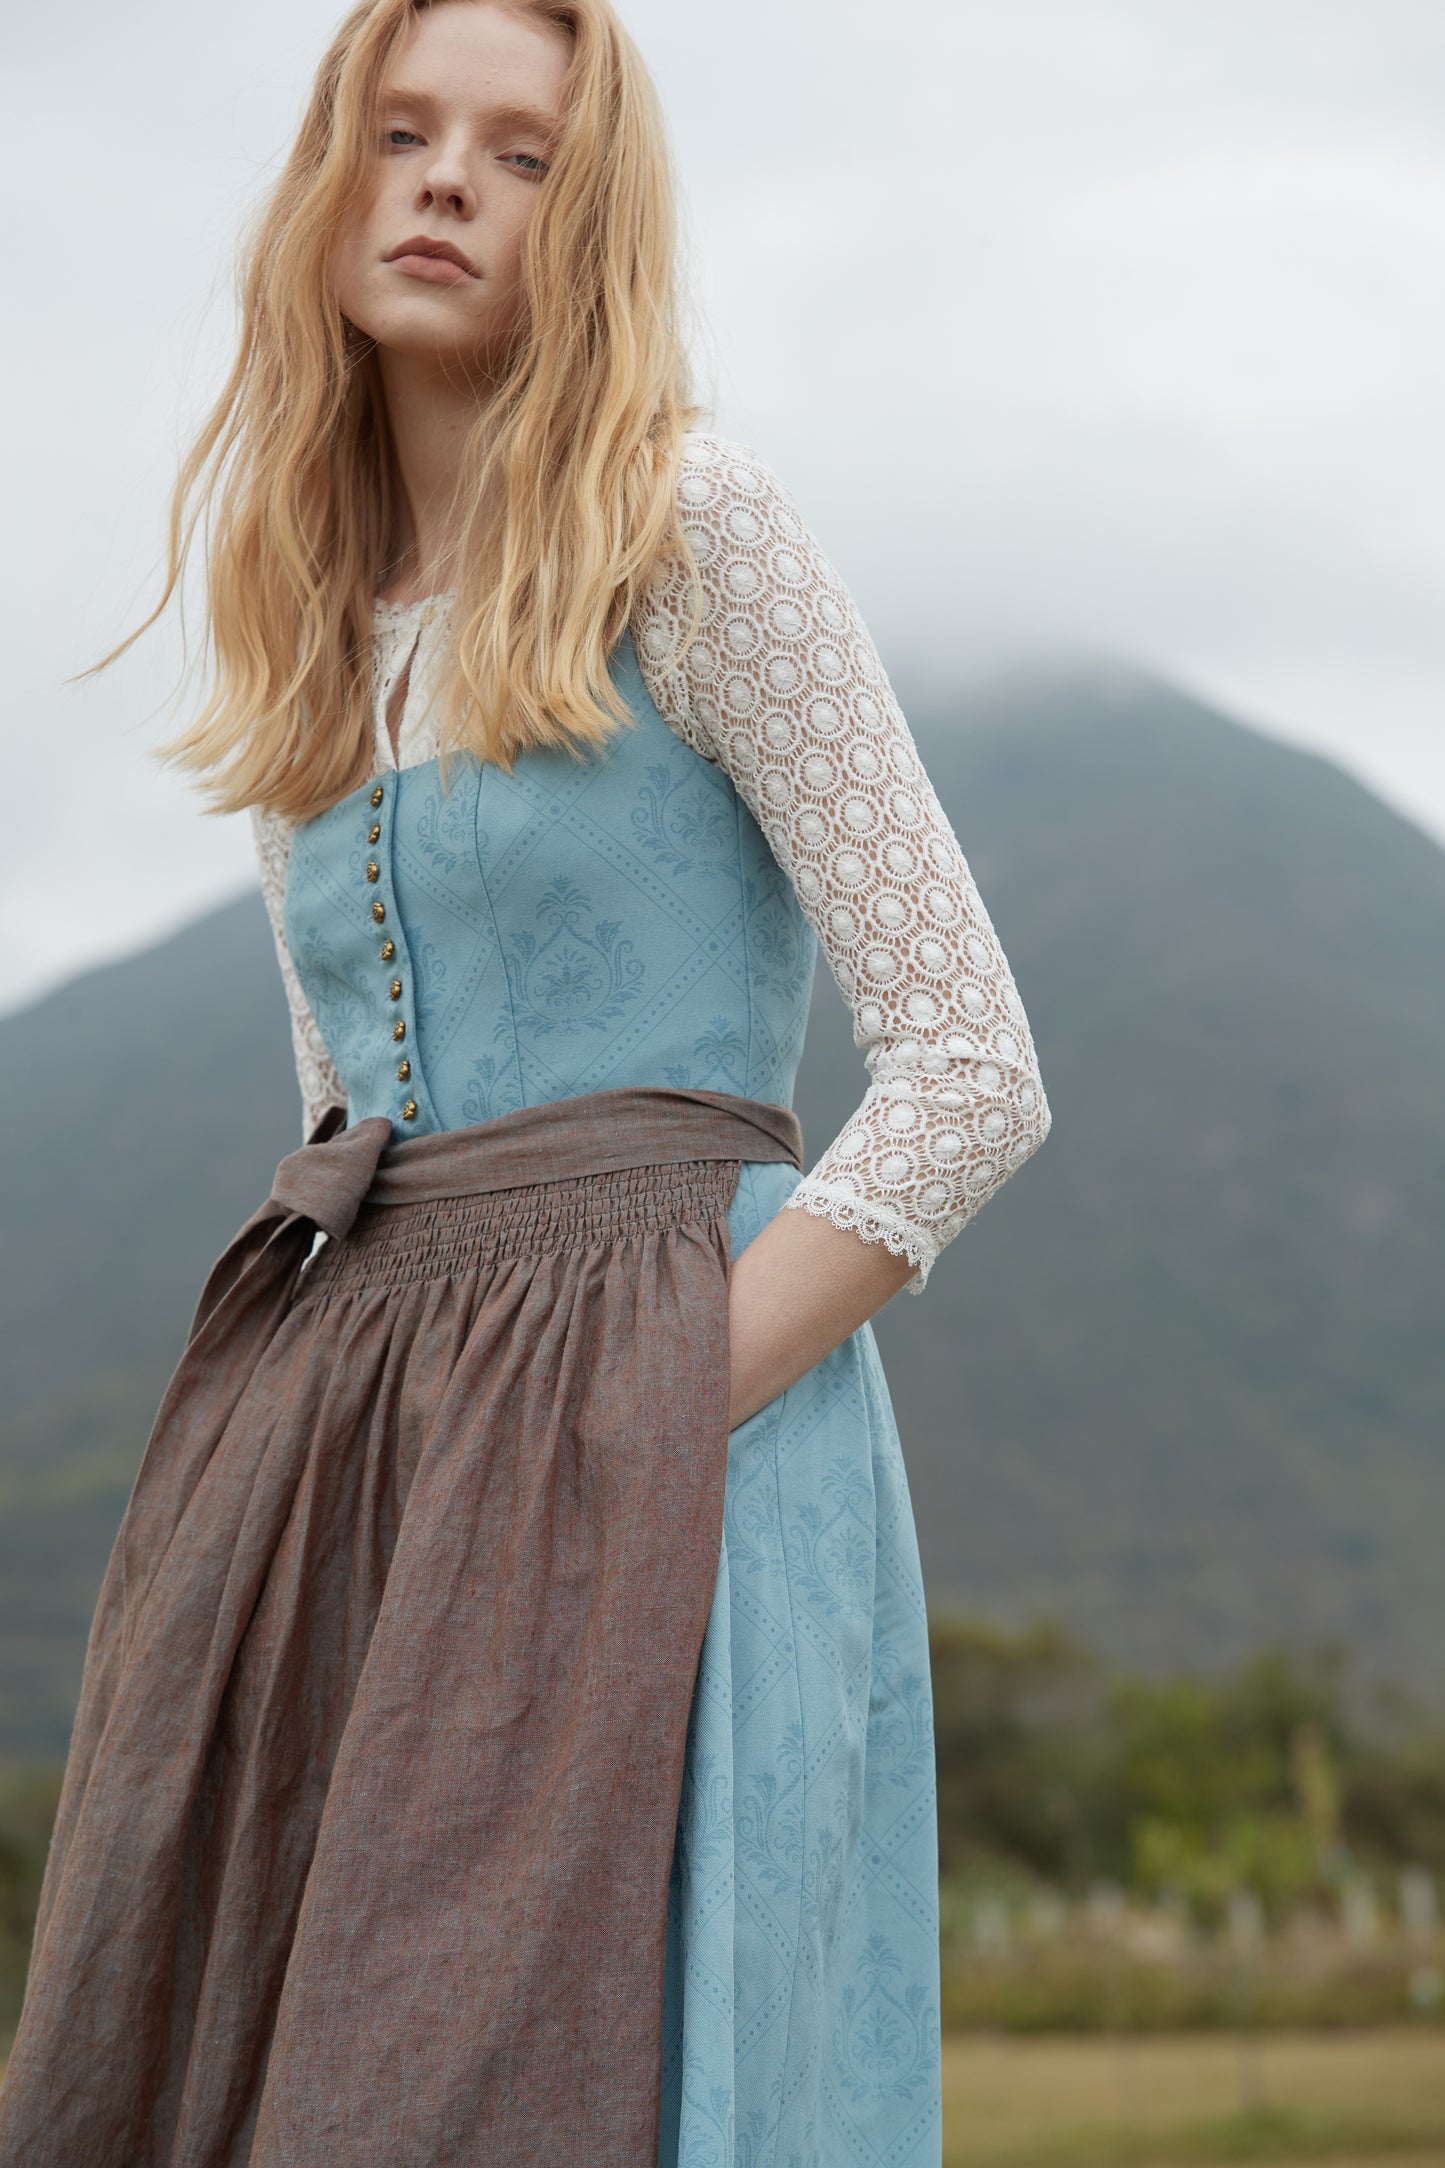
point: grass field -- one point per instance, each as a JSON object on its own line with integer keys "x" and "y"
{"x": 1355, "y": 2100}
{"x": 1350, "y": 2100}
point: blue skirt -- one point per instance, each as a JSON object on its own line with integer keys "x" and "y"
{"x": 801, "y": 2003}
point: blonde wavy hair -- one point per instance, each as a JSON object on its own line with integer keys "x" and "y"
{"x": 566, "y": 491}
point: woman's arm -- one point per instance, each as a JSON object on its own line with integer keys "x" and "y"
{"x": 800, "y": 1286}
{"x": 321, "y": 1087}
{"x": 784, "y": 688}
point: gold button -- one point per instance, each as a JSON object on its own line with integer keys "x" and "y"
{"x": 398, "y": 1029}
{"x": 403, "y": 1071}
{"x": 408, "y": 1112}
{"x": 393, "y": 992}
{"x": 373, "y": 870}
{"x": 378, "y": 912}
{"x": 388, "y": 950}
{"x": 375, "y": 832}
{"x": 377, "y": 795}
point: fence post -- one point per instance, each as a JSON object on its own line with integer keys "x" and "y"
{"x": 1245, "y": 1917}
{"x": 1359, "y": 1913}
{"x": 1419, "y": 1904}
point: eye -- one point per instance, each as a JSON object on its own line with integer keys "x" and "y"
{"x": 527, "y": 162}
{"x": 400, "y": 131}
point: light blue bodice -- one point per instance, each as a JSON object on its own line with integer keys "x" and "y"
{"x": 570, "y": 927}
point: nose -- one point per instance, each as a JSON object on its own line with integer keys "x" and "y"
{"x": 446, "y": 180}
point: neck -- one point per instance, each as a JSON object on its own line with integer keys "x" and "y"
{"x": 430, "y": 414}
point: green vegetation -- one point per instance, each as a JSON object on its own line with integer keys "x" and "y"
{"x": 28, "y": 1799}
{"x": 1280, "y": 1774}
{"x": 1258, "y": 1848}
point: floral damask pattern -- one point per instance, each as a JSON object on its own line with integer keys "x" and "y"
{"x": 719, "y": 1062}
{"x": 445, "y": 834}
{"x": 577, "y": 972}
{"x": 801, "y": 2017}
{"x": 680, "y": 826}
{"x": 884, "y": 2034}
{"x": 341, "y": 1011}
{"x": 493, "y": 1088}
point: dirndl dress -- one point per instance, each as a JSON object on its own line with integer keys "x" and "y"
{"x": 482, "y": 1755}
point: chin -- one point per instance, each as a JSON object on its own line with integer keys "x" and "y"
{"x": 422, "y": 330}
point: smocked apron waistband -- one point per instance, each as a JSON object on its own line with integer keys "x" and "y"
{"x": 325, "y": 1183}
{"x": 329, "y": 1178}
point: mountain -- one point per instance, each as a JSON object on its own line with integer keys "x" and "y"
{"x": 1181, "y": 1384}
{"x": 1189, "y": 1389}
{"x": 149, "y": 1101}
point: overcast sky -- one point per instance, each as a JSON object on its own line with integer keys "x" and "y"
{"x": 1113, "y": 324}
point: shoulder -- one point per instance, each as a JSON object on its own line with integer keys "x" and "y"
{"x": 736, "y": 518}
{"x": 725, "y": 625}
{"x": 749, "y": 543}
{"x": 719, "y": 477}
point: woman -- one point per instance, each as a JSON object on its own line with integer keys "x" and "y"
{"x": 505, "y": 1732}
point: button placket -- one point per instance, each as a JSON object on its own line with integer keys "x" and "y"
{"x": 387, "y": 952}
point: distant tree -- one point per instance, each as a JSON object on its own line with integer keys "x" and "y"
{"x": 1017, "y": 1718}
{"x": 1274, "y": 1774}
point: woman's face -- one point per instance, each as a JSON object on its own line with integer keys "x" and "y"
{"x": 469, "y": 108}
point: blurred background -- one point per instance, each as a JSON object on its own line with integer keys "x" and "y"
{"x": 1101, "y": 344}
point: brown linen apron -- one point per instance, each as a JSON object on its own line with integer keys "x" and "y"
{"x": 364, "y": 1841}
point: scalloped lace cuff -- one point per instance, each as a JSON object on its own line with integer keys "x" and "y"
{"x": 874, "y": 1222}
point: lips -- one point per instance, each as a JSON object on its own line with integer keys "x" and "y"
{"x": 422, "y": 244}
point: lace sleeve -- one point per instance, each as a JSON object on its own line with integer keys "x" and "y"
{"x": 321, "y": 1087}
{"x": 783, "y": 687}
